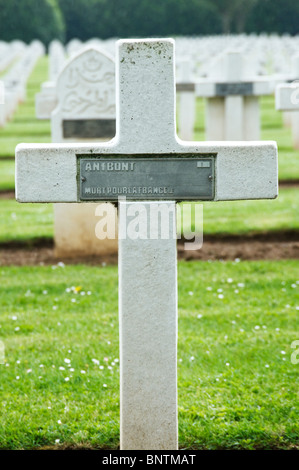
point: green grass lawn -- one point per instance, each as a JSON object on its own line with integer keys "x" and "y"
{"x": 7, "y": 175}
{"x": 30, "y": 221}
{"x": 237, "y": 217}
{"x": 25, "y": 221}
{"x": 237, "y": 386}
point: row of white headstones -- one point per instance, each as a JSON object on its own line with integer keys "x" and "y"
{"x": 234, "y": 107}
{"x": 146, "y": 130}
{"x": 20, "y": 59}
{"x": 265, "y": 54}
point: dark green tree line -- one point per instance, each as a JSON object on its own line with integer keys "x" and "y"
{"x": 31, "y": 19}
{"x": 84, "y": 19}
{"x": 274, "y": 16}
{"x": 139, "y": 18}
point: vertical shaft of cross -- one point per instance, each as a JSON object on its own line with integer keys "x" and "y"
{"x": 148, "y": 330}
{"x": 147, "y": 267}
{"x": 147, "y": 119}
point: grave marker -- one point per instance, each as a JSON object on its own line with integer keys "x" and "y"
{"x": 147, "y": 267}
{"x": 86, "y": 93}
{"x": 84, "y": 111}
{"x": 287, "y": 99}
{"x": 232, "y": 107}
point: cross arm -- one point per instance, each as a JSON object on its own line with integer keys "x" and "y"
{"x": 243, "y": 170}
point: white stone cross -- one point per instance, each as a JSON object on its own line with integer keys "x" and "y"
{"x": 232, "y": 106}
{"x": 147, "y": 267}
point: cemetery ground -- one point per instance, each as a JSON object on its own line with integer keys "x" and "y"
{"x": 237, "y": 384}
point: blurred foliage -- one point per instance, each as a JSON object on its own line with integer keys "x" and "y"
{"x": 85, "y": 19}
{"x": 141, "y": 18}
{"x": 31, "y": 19}
{"x": 269, "y": 16}
{"x": 129, "y": 18}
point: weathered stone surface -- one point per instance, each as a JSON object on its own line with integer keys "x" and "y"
{"x": 148, "y": 335}
{"x": 243, "y": 170}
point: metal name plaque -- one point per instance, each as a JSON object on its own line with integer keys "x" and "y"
{"x": 181, "y": 87}
{"x": 238, "y": 88}
{"x": 89, "y": 128}
{"x": 141, "y": 177}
